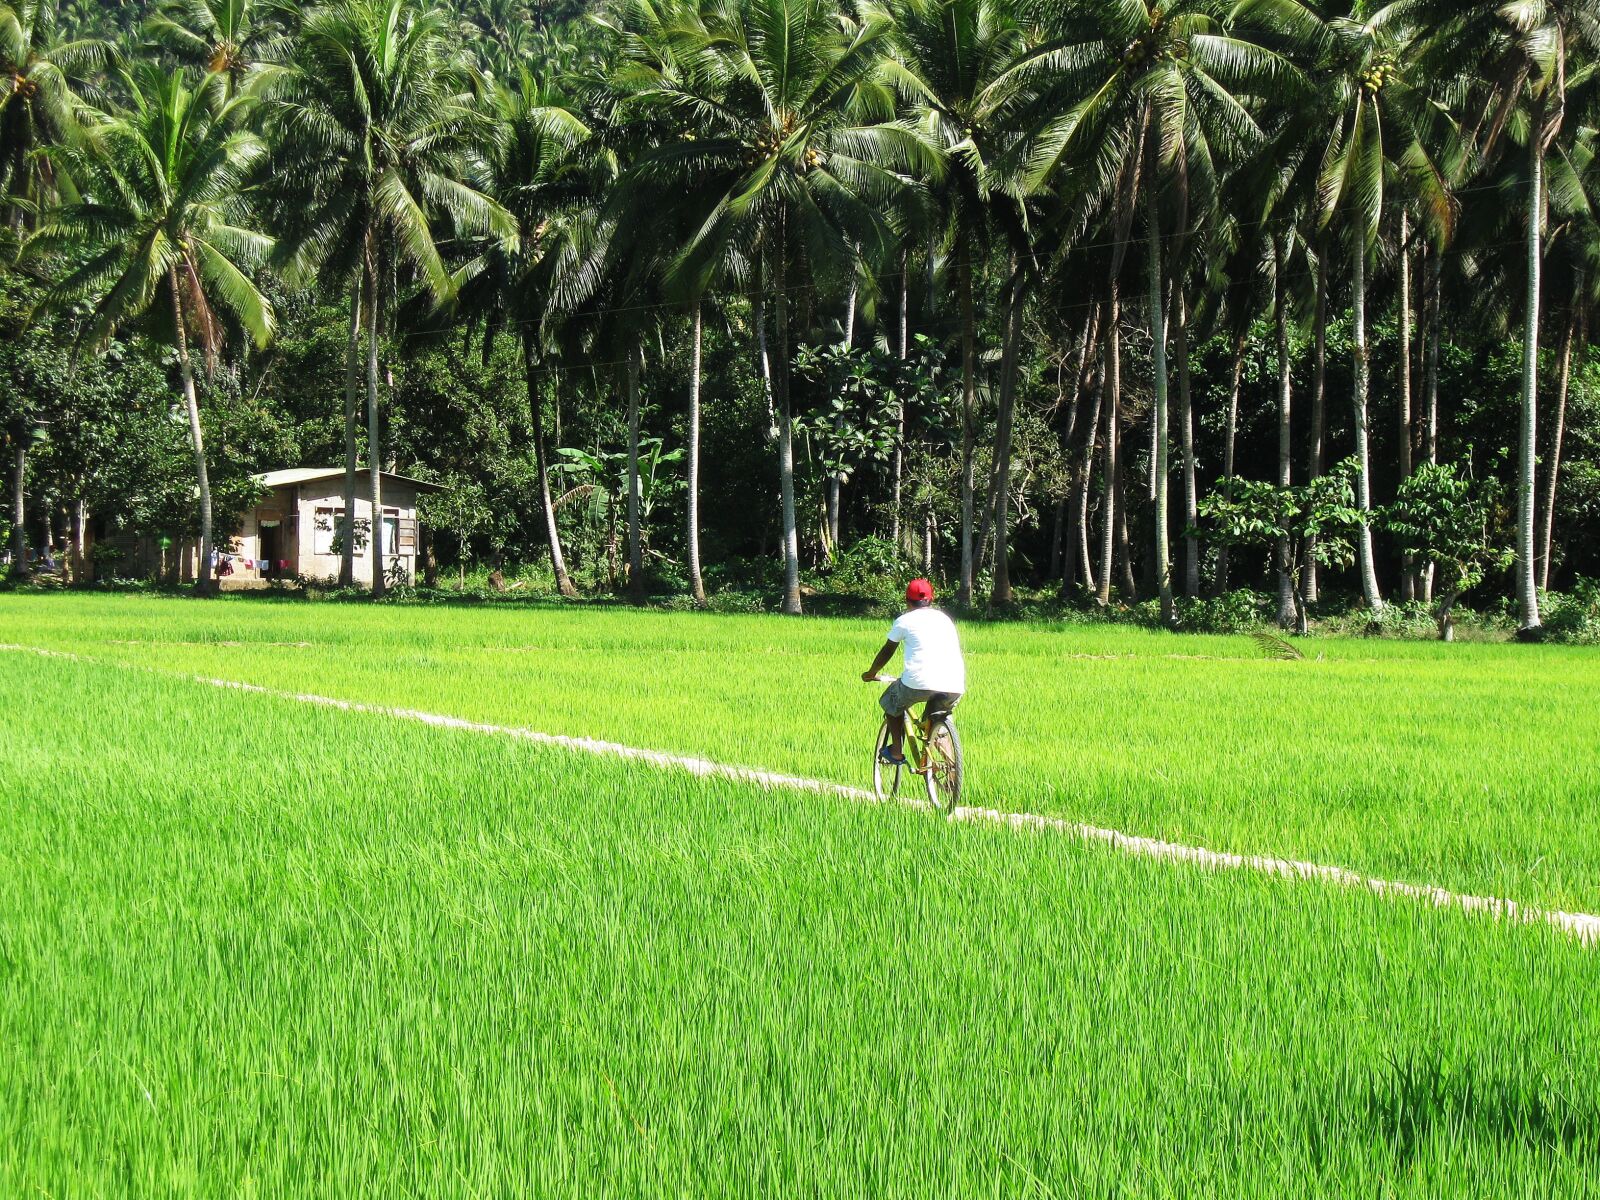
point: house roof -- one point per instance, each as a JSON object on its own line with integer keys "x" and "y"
{"x": 294, "y": 475}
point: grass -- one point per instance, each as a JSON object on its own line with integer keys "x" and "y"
{"x": 1469, "y": 766}
{"x": 250, "y": 947}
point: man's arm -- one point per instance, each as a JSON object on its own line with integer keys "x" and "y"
{"x": 879, "y": 663}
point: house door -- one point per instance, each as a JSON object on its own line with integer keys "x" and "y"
{"x": 271, "y": 542}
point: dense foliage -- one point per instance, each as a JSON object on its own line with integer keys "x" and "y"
{"x": 684, "y": 296}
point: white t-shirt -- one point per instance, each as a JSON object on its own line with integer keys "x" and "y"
{"x": 933, "y": 661}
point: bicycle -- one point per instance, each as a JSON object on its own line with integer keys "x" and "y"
{"x": 932, "y": 749}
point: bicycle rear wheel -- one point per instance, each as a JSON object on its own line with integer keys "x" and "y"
{"x": 943, "y": 776}
{"x": 887, "y": 780}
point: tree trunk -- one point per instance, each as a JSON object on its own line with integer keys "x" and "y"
{"x": 1280, "y": 307}
{"x": 203, "y": 577}
{"x": 1230, "y": 438}
{"x": 374, "y": 445}
{"x": 697, "y": 586}
{"x": 835, "y": 481}
{"x": 1408, "y": 572}
{"x": 1085, "y": 478}
{"x": 558, "y": 563}
{"x": 1064, "y": 560}
{"x": 79, "y": 560}
{"x": 758, "y": 316}
{"x": 1315, "y": 461}
{"x": 1447, "y": 624}
{"x": 1191, "y": 487}
{"x": 1112, "y": 374}
{"x": 1431, "y": 336}
{"x": 900, "y": 407}
{"x": 1158, "y": 357}
{"x": 1058, "y": 540}
{"x": 635, "y": 501}
{"x": 1130, "y": 586}
{"x": 1563, "y": 384}
{"x": 1358, "y": 341}
{"x": 1430, "y": 438}
{"x": 1527, "y": 583}
{"x": 780, "y": 376}
{"x": 1001, "y": 594}
{"x": 969, "y": 390}
{"x": 352, "y": 389}
{"x": 19, "y": 507}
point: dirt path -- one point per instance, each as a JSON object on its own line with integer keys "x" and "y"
{"x": 1583, "y": 926}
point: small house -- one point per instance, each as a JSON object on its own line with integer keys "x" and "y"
{"x": 294, "y": 528}
{"x": 293, "y": 531}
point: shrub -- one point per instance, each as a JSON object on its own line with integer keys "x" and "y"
{"x": 1573, "y": 618}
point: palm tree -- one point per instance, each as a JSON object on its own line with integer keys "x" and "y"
{"x": 232, "y": 38}
{"x": 1512, "y": 56}
{"x": 1387, "y": 136}
{"x": 537, "y": 173}
{"x": 158, "y": 233}
{"x": 43, "y": 104}
{"x": 653, "y": 41}
{"x": 947, "y": 58}
{"x": 775, "y": 103}
{"x": 373, "y": 130}
{"x": 1165, "y": 82}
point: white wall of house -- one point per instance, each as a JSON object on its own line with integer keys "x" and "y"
{"x": 320, "y": 504}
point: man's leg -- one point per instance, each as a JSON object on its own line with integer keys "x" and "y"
{"x": 897, "y": 735}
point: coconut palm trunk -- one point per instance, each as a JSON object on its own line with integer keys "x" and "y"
{"x": 541, "y": 462}
{"x": 1064, "y": 559}
{"x": 1563, "y": 385}
{"x": 1280, "y": 307}
{"x": 1001, "y": 595}
{"x": 1158, "y": 367}
{"x": 1315, "y": 463}
{"x": 780, "y": 378}
{"x": 835, "y": 494}
{"x": 1230, "y": 439}
{"x": 197, "y": 444}
{"x": 352, "y": 409}
{"x": 1191, "y": 485}
{"x": 635, "y": 532}
{"x": 697, "y": 586}
{"x": 900, "y": 406}
{"x": 374, "y": 444}
{"x": 1430, "y": 383}
{"x": 19, "y": 507}
{"x": 969, "y": 394}
{"x": 1080, "y": 495}
{"x": 1527, "y": 583}
{"x": 1112, "y": 468}
{"x": 1361, "y": 353}
{"x": 1408, "y": 574}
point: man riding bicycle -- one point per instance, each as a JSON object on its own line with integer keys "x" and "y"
{"x": 934, "y": 673}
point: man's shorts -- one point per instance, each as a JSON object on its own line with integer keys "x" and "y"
{"x": 898, "y": 699}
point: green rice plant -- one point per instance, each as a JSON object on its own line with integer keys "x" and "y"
{"x": 254, "y": 947}
{"x": 1468, "y": 766}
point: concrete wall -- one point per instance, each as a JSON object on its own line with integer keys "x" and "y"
{"x": 399, "y": 502}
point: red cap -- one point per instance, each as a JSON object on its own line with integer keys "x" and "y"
{"x": 919, "y": 591}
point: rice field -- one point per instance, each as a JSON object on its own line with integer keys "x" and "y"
{"x": 254, "y": 947}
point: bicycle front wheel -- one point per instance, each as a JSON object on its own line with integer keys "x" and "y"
{"x": 943, "y": 774}
{"x": 887, "y": 779}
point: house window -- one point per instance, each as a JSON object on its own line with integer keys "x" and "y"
{"x": 391, "y": 531}
{"x": 324, "y": 539}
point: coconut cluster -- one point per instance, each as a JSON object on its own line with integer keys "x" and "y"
{"x": 1379, "y": 75}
